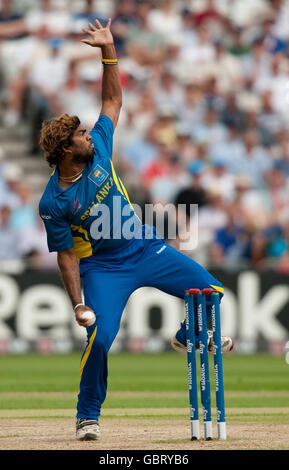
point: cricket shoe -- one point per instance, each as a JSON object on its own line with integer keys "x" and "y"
{"x": 179, "y": 341}
{"x": 87, "y": 429}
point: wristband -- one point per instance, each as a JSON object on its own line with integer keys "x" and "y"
{"x": 78, "y": 305}
{"x": 109, "y": 61}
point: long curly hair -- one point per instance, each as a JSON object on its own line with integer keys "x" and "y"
{"x": 56, "y": 134}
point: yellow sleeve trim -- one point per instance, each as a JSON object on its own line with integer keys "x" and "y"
{"x": 121, "y": 188}
{"x": 115, "y": 178}
{"x": 218, "y": 288}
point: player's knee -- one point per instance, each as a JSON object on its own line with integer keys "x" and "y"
{"x": 101, "y": 343}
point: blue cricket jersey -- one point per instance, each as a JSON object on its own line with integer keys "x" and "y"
{"x": 94, "y": 214}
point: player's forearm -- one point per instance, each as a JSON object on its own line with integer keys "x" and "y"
{"x": 111, "y": 87}
{"x": 69, "y": 268}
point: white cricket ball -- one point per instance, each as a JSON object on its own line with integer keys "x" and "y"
{"x": 88, "y": 315}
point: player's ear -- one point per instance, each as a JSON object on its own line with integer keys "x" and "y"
{"x": 66, "y": 149}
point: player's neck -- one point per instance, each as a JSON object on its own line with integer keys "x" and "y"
{"x": 69, "y": 173}
{"x": 68, "y": 169}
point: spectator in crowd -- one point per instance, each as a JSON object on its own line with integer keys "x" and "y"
{"x": 229, "y": 243}
{"x": 194, "y": 193}
{"x": 140, "y": 152}
{"x": 7, "y": 14}
{"x": 209, "y": 15}
{"x": 11, "y": 22}
{"x": 2, "y": 176}
{"x": 211, "y": 129}
{"x": 282, "y": 160}
{"x": 33, "y": 246}
{"x": 218, "y": 176}
{"x": 23, "y": 216}
{"x": 250, "y": 204}
{"x": 255, "y": 251}
{"x": 87, "y": 15}
{"x": 168, "y": 91}
{"x": 213, "y": 215}
{"x": 277, "y": 82}
{"x": 141, "y": 29}
{"x": 272, "y": 42}
{"x": 33, "y": 49}
{"x": 193, "y": 106}
{"x": 12, "y": 176}
{"x": 269, "y": 121}
{"x": 44, "y": 92}
{"x": 165, "y": 131}
{"x": 277, "y": 192}
{"x": 254, "y": 160}
{"x": 162, "y": 166}
{"x": 186, "y": 147}
{"x": 48, "y": 14}
{"x": 165, "y": 18}
{"x": 9, "y": 238}
{"x": 201, "y": 52}
{"x": 231, "y": 115}
{"x": 244, "y": 13}
{"x": 282, "y": 261}
{"x": 124, "y": 17}
{"x": 227, "y": 69}
{"x": 236, "y": 42}
{"x": 281, "y": 18}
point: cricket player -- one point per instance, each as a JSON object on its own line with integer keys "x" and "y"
{"x": 88, "y": 218}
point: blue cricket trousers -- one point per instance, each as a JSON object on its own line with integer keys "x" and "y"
{"x": 108, "y": 281}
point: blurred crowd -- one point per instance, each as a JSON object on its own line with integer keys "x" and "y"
{"x": 204, "y": 119}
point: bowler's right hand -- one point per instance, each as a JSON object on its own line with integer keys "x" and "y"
{"x": 78, "y": 315}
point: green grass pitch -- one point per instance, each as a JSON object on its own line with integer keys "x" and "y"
{"x": 140, "y": 381}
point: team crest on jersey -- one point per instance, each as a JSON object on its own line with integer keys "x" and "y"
{"x": 98, "y": 175}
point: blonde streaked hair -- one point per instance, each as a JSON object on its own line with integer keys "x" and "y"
{"x": 56, "y": 134}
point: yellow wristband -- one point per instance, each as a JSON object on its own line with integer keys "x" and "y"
{"x": 109, "y": 61}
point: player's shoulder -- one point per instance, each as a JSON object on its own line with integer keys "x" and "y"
{"x": 103, "y": 127}
{"x": 48, "y": 204}
{"x": 47, "y": 207}
{"x": 104, "y": 120}
{"x": 102, "y": 137}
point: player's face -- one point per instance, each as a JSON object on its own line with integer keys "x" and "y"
{"x": 82, "y": 147}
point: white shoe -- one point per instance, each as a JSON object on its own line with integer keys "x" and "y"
{"x": 226, "y": 341}
{"x": 87, "y": 429}
{"x": 178, "y": 346}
